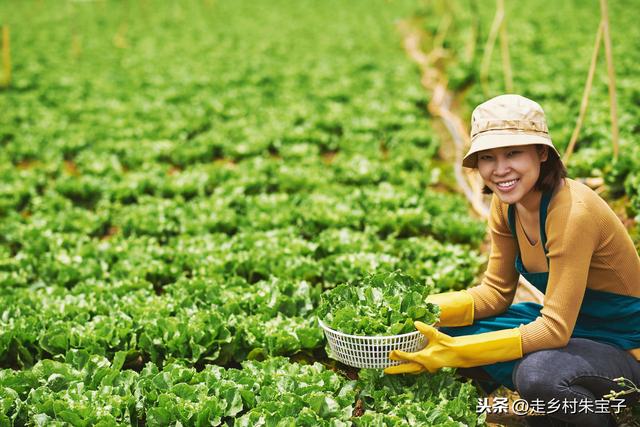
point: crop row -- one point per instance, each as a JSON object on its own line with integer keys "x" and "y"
{"x": 85, "y": 389}
{"x": 252, "y": 292}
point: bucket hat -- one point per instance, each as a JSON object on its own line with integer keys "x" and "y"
{"x": 504, "y": 121}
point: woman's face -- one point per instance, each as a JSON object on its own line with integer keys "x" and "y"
{"x": 511, "y": 172}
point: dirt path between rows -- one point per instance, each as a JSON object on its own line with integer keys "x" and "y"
{"x": 446, "y": 118}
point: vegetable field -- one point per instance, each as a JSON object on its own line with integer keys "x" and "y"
{"x": 182, "y": 182}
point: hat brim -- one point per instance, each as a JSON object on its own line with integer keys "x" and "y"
{"x": 498, "y": 139}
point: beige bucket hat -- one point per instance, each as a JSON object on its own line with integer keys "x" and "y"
{"x": 504, "y": 121}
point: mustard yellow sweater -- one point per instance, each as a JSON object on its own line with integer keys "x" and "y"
{"x": 588, "y": 247}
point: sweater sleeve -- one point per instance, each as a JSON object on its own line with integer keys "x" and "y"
{"x": 572, "y": 238}
{"x": 498, "y": 287}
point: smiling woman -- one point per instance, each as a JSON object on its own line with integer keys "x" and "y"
{"x": 566, "y": 241}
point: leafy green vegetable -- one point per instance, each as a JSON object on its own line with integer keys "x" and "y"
{"x": 407, "y": 400}
{"x": 379, "y": 304}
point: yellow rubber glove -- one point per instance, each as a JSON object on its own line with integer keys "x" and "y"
{"x": 456, "y": 308}
{"x": 458, "y": 352}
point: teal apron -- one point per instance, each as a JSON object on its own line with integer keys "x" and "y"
{"x": 604, "y": 316}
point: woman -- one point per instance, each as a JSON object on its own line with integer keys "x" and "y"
{"x": 567, "y": 242}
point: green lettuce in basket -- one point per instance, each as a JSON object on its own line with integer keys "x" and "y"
{"x": 379, "y": 304}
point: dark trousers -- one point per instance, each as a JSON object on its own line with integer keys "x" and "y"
{"x": 584, "y": 369}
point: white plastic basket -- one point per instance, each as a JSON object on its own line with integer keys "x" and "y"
{"x": 370, "y": 351}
